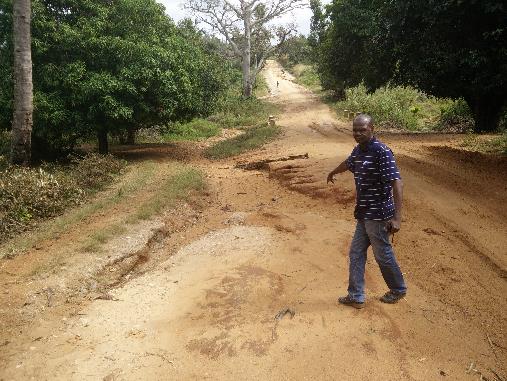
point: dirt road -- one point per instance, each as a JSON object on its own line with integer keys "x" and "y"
{"x": 249, "y": 291}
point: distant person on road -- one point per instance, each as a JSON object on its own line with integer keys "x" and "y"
{"x": 277, "y": 83}
{"x": 379, "y": 192}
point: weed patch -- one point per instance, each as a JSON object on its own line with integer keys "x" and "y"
{"x": 178, "y": 187}
{"x": 136, "y": 179}
{"x": 240, "y": 112}
{"x": 307, "y": 76}
{"x": 496, "y": 144}
{"x": 30, "y": 195}
{"x": 94, "y": 171}
{"x": 197, "y": 129}
{"x": 455, "y": 116}
{"x": 261, "y": 88}
{"x": 253, "y": 138}
{"x": 393, "y": 107}
{"x": 99, "y": 238}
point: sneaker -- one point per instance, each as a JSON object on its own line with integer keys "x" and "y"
{"x": 392, "y": 297}
{"x": 348, "y": 301}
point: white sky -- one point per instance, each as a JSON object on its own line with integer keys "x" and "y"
{"x": 301, "y": 17}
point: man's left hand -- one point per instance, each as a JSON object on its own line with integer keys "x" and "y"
{"x": 394, "y": 226}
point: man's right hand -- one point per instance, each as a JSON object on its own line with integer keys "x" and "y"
{"x": 330, "y": 177}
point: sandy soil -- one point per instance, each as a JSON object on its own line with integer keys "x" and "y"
{"x": 242, "y": 284}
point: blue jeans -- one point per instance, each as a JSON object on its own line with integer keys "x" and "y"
{"x": 374, "y": 233}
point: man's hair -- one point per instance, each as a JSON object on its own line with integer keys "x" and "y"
{"x": 364, "y": 119}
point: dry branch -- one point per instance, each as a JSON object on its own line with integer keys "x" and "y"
{"x": 263, "y": 164}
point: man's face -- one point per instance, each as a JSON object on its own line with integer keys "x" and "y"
{"x": 362, "y": 132}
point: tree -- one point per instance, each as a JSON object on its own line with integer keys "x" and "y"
{"x": 105, "y": 68}
{"x": 23, "y": 88}
{"x": 317, "y": 23}
{"x": 349, "y": 50}
{"x": 452, "y": 49}
{"x": 446, "y": 48}
{"x": 295, "y": 50}
{"x": 244, "y": 22}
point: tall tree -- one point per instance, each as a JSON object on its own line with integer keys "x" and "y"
{"x": 349, "y": 51}
{"x": 317, "y": 23}
{"x": 453, "y": 49}
{"x": 23, "y": 87}
{"x": 242, "y": 22}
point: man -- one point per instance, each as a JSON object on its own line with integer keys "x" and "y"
{"x": 379, "y": 191}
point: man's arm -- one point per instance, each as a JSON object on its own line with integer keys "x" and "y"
{"x": 340, "y": 169}
{"x": 398, "y": 197}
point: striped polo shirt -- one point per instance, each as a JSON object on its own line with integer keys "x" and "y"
{"x": 374, "y": 169}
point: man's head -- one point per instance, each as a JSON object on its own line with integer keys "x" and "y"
{"x": 362, "y": 128}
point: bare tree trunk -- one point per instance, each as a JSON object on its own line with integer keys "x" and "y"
{"x": 131, "y": 135}
{"x": 247, "y": 83}
{"x": 23, "y": 87}
{"x": 102, "y": 140}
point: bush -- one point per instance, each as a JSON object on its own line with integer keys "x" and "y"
{"x": 400, "y": 107}
{"x": 94, "y": 171}
{"x": 28, "y": 195}
{"x": 455, "y": 115}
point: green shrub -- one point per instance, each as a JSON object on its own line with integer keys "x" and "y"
{"x": 456, "y": 115}
{"x": 196, "y": 129}
{"x": 253, "y": 138}
{"x": 261, "y": 88}
{"x": 400, "y": 107}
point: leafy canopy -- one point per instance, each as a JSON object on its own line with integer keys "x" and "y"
{"x": 447, "y": 48}
{"x": 112, "y": 66}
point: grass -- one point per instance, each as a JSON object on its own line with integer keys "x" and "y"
{"x": 197, "y": 129}
{"x": 177, "y": 187}
{"x": 181, "y": 181}
{"x": 496, "y": 144}
{"x": 307, "y": 76}
{"x": 261, "y": 88}
{"x": 95, "y": 241}
{"x": 253, "y": 138}
{"x": 235, "y": 111}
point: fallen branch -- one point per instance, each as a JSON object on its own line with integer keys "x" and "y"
{"x": 263, "y": 164}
